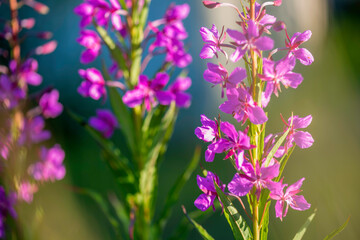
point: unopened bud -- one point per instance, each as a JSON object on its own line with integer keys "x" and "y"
{"x": 28, "y": 23}
{"x": 37, "y": 6}
{"x": 279, "y": 26}
{"x": 46, "y": 48}
{"x": 211, "y": 4}
{"x": 277, "y": 3}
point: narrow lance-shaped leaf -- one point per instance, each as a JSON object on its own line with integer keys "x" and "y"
{"x": 338, "y": 230}
{"x": 276, "y": 147}
{"x": 148, "y": 176}
{"x": 183, "y": 228}
{"x": 114, "y": 50}
{"x": 121, "y": 112}
{"x": 174, "y": 193}
{"x": 299, "y": 235}
{"x": 119, "y": 165}
{"x": 104, "y": 206}
{"x": 204, "y": 234}
{"x": 240, "y": 229}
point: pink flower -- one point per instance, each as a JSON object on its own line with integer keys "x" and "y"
{"x": 27, "y": 71}
{"x": 10, "y": 92}
{"x": 105, "y": 122}
{"x": 33, "y": 131}
{"x": 92, "y": 42}
{"x": 259, "y": 177}
{"x": 251, "y": 39}
{"x": 93, "y": 85}
{"x": 208, "y": 132}
{"x": 279, "y": 72}
{"x": 302, "y": 139}
{"x": 149, "y": 92}
{"x": 304, "y": 56}
{"x": 205, "y": 200}
{"x": 50, "y": 167}
{"x": 290, "y": 198}
{"x": 217, "y": 74}
{"x": 49, "y": 104}
{"x": 241, "y": 105}
{"x": 234, "y": 141}
{"x": 212, "y": 41}
{"x": 26, "y": 191}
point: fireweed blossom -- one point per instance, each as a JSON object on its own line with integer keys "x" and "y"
{"x": 206, "y": 200}
{"x": 249, "y": 40}
{"x": 23, "y": 129}
{"x": 253, "y": 154}
{"x": 217, "y": 74}
{"x": 149, "y": 92}
{"x": 208, "y": 132}
{"x": 92, "y": 42}
{"x": 296, "y": 202}
{"x": 242, "y": 106}
{"x": 105, "y": 122}
{"x": 280, "y": 72}
{"x": 93, "y": 85}
{"x": 212, "y": 41}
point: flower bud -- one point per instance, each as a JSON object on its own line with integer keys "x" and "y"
{"x": 28, "y": 23}
{"x": 211, "y": 4}
{"x": 47, "y": 48}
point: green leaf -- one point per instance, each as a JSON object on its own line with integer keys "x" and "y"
{"x": 148, "y": 176}
{"x": 119, "y": 165}
{"x": 183, "y": 228}
{"x": 283, "y": 162}
{"x": 337, "y": 231}
{"x": 115, "y": 52}
{"x": 122, "y": 113}
{"x": 265, "y": 222}
{"x": 103, "y": 205}
{"x": 239, "y": 227}
{"x": 174, "y": 193}
{"x": 276, "y": 147}
{"x": 299, "y": 235}
{"x": 204, "y": 234}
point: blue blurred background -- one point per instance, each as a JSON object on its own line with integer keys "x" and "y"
{"x": 330, "y": 92}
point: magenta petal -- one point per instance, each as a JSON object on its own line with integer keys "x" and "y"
{"x": 299, "y": 203}
{"x": 212, "y": 77}
{"x": 257, "y": 115}
{"x": 303, "y": 139}
{"x": 203, "y": 202}
{"x": 133, "y": 98}
{"x": 116, "y": 21}
{"x": 220, "y": 146}
{"x": 264, "y": 43}
{"x": 209, "y": 155}
{"x": 88, "y": 55}
{"x": 33, "y": 78}
{"x": 270, "y": 172}
{"x": 279, "y": 209}
{"x": 208, "y": 51}
{"x": 183, "y": 99}
{"x": 292, "y": 79}
{"x": 294, "y": 188}
{"x": 236, "y": 35}
{"x": 240, "y": 186}
{"x": 229, "y": 130}
{"x": 164, "y": 97}
{"x": 300, "y": 122}
{"x": 253, "y": 30}
{"x": 239, "y": 53}
{"x": 304, "y": 56}
{"x": 285, "y": 65}
{"x": 237, "y": 75}
{"x": 303, "y": 37}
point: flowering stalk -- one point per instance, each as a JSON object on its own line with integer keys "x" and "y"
{"x": 22, "y": 128}
{"x": 259, "y": 160}
{"x": 144, "y": 107}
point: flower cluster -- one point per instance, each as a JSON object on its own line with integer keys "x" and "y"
{"x": 254, "y": 155}
{"x": 164, "y": 36}
{"x": 22, "y": 129}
